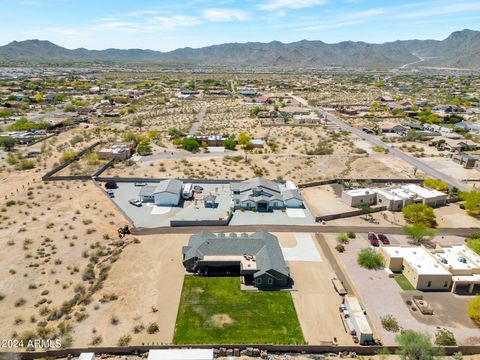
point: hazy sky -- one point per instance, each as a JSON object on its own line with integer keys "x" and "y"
{"x": 170, "y": 24}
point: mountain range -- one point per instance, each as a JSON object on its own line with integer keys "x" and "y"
{"x": 459, "y": 50}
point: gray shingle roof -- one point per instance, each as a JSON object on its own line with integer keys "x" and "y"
{"x": 249, "y": 184}
{"x": 171, "y": 186}
{"x": 263, "y": 245}
{"x": 147, "y": 190}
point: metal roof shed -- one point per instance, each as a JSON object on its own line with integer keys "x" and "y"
{"x": 181, "y": 354}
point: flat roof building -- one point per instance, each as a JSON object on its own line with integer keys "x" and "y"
{"x": 394, "y": 198}
{"x": 455, "y": 268}
{"x": 464, "y": 265}
{"x": 116, "y": 152}
{"x": 418, "y": 265}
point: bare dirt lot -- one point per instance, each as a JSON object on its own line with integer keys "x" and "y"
{"x": 61, "y": 263}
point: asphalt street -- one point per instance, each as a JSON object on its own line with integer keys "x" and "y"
{"x": 419, "y": 164}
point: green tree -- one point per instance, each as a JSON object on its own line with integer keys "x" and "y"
{"x": 68, "y": 155}
{"x": 471, "y": 201}
{"x": 474, "y": 310}
{"x": 413, "y": 135}
{"x": 38, "y": 98}
{"x": 230, "y": 143}
{"x": 415, "y": 346}
{"x": 244, "y": 139}
{"x": 138, "y": 123}
{"x": 419, "y": 232}
{"x": 7, "y": 142}
{"x": 370, "y": 259}
{"x": 419, "y": 214}
{"x": 144, "y": 149}
{"x": 435, "y": 184}
{"x": 153, "y": 134}
{"x": 174, "y": 133}
{"x": 92, "y": 158}
{"x": 473, "y": 242}
{"x": 190, "y": 144}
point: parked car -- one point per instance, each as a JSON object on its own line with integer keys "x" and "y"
{"x": 383, "y": 239}
{"x": 111, "y": 185}
{"x": 373, "y": 239}
{"x": 140, "y": 184}
{"x": 135, "y": 202}
{"x": 110, "y": 193}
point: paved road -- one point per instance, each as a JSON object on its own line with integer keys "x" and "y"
{"x": 198, "y": 122}
{"x": 294, "y": 228}
{"x": 392, "y": 151}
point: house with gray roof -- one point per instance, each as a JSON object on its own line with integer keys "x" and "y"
{"x": 264, "y": 195}
{"x": 165, "y": 193}
{"x": 258, "y": 257}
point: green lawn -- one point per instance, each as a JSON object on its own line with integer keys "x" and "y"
{"x": 213, "y": 310}
{"x": 403, "y": 282}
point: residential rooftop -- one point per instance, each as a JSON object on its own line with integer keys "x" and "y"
{"x": 419, "y": 258}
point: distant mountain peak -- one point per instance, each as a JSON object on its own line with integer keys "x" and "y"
{"x": 460, "y": 49}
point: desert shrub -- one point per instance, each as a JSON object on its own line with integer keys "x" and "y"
{"x": 96, "y": 340}
{"x": 343, "y": 238}
{"x": 389, "y": 323}
{"x": 340, "y": 248}
{"x": 370, "y": 259}
{"x": 351, "y": 235}
{"x": 26, "y": 164}
{"x": 153, "y": 328}
{"x": 114, "y": 320}
{"x": 444, "y": 337}
{"x": 124, "y": 340}
{"x": 20, "y": 302}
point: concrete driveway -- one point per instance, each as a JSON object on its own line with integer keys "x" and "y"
{"x": 305, "y": 250}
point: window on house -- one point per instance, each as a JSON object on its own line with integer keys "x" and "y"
{"x": 259, "y": 281}
{"x": 429, "y": 284}
{"x": 445, "y": 284}
{"x": 270, "y": 281}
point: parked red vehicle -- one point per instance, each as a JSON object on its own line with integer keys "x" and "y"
{"x": 373, "y": 239}
{"x": 383, "y": 239}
